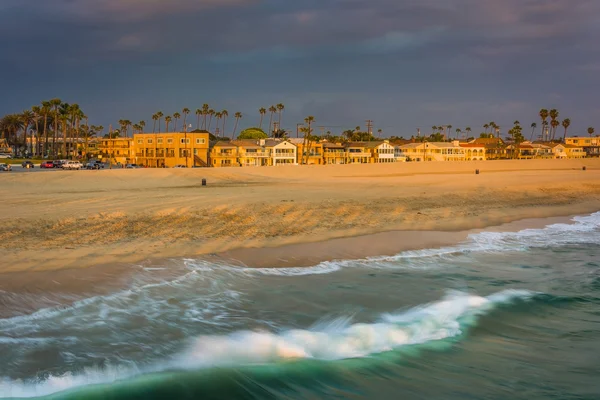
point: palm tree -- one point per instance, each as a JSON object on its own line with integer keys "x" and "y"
{"x": 272, "y": 110}
{"x": 176, "y": 117}
{"x": 307, "y": 132}
{"x": 238, "y": 116}
{"x": 217, "y": 118}
{"x": 566, "y": 123}
{"x": 168, "y": 120}
{"x": 486, "y": 126}
{"x": 533, "y": 126}
{"x": 224, "y": 115}
{"x": 26, "y": 119}
{"x": 280, "y": 107}
{"x": 554, "y": 122}
{"x": 198, "y": 114}
{"x": 449, "y": 127}
{"x": 262, "y": 111}
{"x": 154, "y": 118}
{"x": 142, "y": 125}
{"x": 46, "y": 110}
{"x": 379, "y": 132}
{"x": 468, "y": 130}
{"x": 543, "y": 117}
{"x": 64, "y": 119}
{"x": 185, "y": 113}
{"x": 205, "y": 111}
{"x": 159, "y": 115}
{"x": 458, "y": 132}
{"x": 590, "y": 131}
{"x": 55, "y": 104}
{"x": 136, "y": 128}
{"x": 37, "y": 114}
{"x": 211, "y": 113}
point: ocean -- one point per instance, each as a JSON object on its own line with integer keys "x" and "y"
{"x": 503, "y": 315}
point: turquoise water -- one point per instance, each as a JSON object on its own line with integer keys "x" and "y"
{"x": 502, "y": 315}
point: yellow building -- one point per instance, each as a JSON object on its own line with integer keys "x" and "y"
{"x": 590, "y": 145}
{"x": 381, "y": 152}
{"x": 251, "y": 154}
{"x": 166, "y": 150}
{"x": 574, "y": 151}
{"x": 334, "y": 153}
{"x": 357, "y": 153}
{"x": 224, "y": 154}
{"x": 314, "y": 149}
{"x": 116, "y": 151}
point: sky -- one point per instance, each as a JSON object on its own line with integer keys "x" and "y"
{"x": 405, "y": 64}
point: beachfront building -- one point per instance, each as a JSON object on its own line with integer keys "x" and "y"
{"x": 312, "y": 155}
{"x": 117, "y": 151}
{"x": 399, "y": 155}
{"x": 439, "y": 151}
{"x": 357, "y": 153}
{"x": 166, "y": 150}
{"x": 380, "y": 152}
{"x": 590, "y": 145}
{"x": 334, "y": 153}
{"x": 574, "y": 151}
{"x": 224, "y": 154}
{"x": 495, "y": 148}
{"x": 528, "y": 150}
{"x": 251, "y": 154}
{"x": 473, "y": 151}
{"x": 282, "y": 152}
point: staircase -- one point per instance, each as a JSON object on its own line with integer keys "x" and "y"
{"x": 200, "y": 162}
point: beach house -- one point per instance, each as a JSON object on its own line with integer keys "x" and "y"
{"x": 473, "y": 151}
{"x": 250, "y": 153}
{"x": 495, "y": 148}
{"x": 117, "y": 150}
{"x": 590, "y": 145}
{"x": 281, "y": 152}
{"x": 357, "y": 153}
{"x": 312, "y": 155}
{"x": 166, "y": 150}
{"x": 223, "y": 154}
{"x": 334, "y": 153}
{"x": 380, "y": 152}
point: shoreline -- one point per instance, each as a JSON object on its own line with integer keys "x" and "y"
{"x": 81, "y": 219}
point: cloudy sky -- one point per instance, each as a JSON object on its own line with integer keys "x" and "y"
{"x": 402, "y": 63}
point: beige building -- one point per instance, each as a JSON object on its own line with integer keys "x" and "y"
{"x": 159, "y": 150}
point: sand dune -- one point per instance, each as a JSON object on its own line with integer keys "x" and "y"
{"x": 83, "y": 218}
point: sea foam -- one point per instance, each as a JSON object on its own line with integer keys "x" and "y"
{"x": 440, "y": 320}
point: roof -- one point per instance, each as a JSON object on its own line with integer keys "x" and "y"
{"x": 471, "y": 145}
{"x": 223, "y": 143}
{"x": 327, "y": 145}
{"x": 274, "y": 142}
{"x": 377, "y": 143}
{"x": 247, "y": 143}
{"x": 493, "y": 141}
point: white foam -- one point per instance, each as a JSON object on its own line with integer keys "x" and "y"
{"x": 338, "y": 339}
{"x": 431, "y": 322}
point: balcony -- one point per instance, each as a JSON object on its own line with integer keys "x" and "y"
{"x": 358, "y": 154}
{"x": 255, "y": 154}
{"x": 334, "y": 154}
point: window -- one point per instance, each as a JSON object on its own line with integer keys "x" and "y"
{"x": 159, "y": 140}
{"x": 200, "y": 140}
{"x": 150, "y": 141}
{"x": 140, "y": 141}
{"x": 170, "y": 141}
{"x": 184, "y": 141}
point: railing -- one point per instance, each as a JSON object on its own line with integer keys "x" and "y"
{"x": 254, "y": 154}
{"x": 335, "y": 154}
{"x": 358, "y": 154}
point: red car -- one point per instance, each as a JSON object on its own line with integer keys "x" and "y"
{"x": 47, "y": 164}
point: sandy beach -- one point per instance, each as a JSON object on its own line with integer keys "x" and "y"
{"x": 88, "y": 218}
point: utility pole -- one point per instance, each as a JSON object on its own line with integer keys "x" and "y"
{"x": 370, "y": 127}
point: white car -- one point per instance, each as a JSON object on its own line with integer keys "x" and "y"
{"x": 72, "y": 165}
{"x": 5, "y": 156}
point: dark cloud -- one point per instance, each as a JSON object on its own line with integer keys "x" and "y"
{"x": 403, "y": 63}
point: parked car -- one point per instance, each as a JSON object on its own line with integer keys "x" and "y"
{"x": 27, "y": 164}
{"x": 57, "y": 163}
{"x": 47, "y": 164}
{"x": 5, "y": 155}
{"x": 94, "y": 165}
{"x": 180, "y": 166}
{"x": 72, "y": 165}
{"x": 132, "y": 166}
{"x": 5, "y": 167}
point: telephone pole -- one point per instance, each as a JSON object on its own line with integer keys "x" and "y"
{"x": 370, "y": 127}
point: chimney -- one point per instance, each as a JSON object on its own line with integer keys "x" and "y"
{"x": 261, "y": 142}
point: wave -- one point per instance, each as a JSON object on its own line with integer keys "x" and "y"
{"x": 327, "y": 341}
